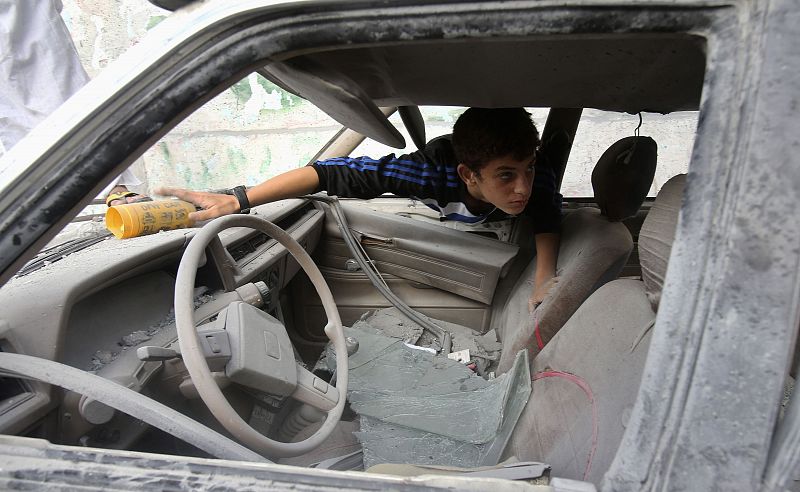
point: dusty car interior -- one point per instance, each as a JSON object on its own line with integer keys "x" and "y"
{"x": 556, "y": 386}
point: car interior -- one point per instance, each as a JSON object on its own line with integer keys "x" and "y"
{"x": 108, "y": 302}
{"x": 554, "y": 386}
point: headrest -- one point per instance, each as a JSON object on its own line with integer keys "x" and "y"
{"x": 657, "y": 235}
{"x": 623, "y": 175}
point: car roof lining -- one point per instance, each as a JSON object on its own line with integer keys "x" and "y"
{"x": 631, "y": 72}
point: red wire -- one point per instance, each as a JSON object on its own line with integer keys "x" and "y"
{"x": 588, "y": 391}
{"x": 539, "y": 341}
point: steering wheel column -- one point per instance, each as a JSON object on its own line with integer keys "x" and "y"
{"x": 254, "y": 350}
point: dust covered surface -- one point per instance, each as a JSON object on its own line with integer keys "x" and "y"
{"x": 105, "y": 356}
{"x": 31, "y": 464}
{"x": 421, "y": 408}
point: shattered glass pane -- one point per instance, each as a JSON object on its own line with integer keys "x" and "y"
{"x": 420, "y": 408}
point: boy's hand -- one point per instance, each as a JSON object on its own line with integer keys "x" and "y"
{"x": 540, "y": 292}
{"x": 213, "y": 205}
{"x": 121, "y": 195}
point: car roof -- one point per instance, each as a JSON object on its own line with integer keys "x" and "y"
{"x": 658, "y": 73}
{"x": 632, "y": 72}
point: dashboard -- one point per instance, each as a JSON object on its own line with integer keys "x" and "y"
{"x": 93, "y": 308}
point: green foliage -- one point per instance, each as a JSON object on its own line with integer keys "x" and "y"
{"x": 242, "y": 91}
{"x": 165, "y": 152}
{"x": 263, "y": 169}
{"x": 306, "y": 147}
{"x": 287, "y": 98}
{"x": 154, "y": 21}
{"x": 237, "y": 162}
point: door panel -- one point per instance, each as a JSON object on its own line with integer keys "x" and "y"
{"x": 446, "y": 274}
{"x": 355, "y": 295}
{"x": 454, "y": 261}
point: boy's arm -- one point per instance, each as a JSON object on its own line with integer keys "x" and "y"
{"x": 356, "y": 177}
{"x": 290, "y": 184}
{"x": 546, "y": 257}
{"x": 545, "y": 210}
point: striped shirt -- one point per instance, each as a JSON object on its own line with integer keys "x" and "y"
{"x": 429, "y": 175}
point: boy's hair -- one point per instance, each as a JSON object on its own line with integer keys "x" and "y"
{"x": 482, "y": 134}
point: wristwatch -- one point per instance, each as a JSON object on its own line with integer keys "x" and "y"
{"x": 240, "y": 192}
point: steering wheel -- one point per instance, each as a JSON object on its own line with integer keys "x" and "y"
{"x": 262, "y": 356}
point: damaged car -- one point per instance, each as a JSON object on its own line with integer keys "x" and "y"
{"x": 319, "y": 343}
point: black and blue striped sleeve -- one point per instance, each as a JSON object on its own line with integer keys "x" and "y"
{"x": 544, "y": 207}
{"x": 421, "y": 174}
{"x": 350, "y": 177}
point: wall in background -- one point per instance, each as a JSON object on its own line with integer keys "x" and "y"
{"x": 251, "y": 131}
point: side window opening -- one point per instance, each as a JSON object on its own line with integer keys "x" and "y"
{"x": 674, "y": 133}
{"x": 252, "y": 131}
{"x": 439, "y": 121}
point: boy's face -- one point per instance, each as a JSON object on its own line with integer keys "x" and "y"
{"x": 504, "y": 182}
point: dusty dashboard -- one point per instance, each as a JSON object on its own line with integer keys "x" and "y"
{"x": 94, "y": 307}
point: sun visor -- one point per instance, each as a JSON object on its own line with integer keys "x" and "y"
{"x": 337, "y": 95}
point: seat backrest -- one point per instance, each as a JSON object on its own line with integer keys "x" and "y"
{"x": 657, "y": 235}
{"x": 593, "y": 250}
{"x": 587, "y": 378}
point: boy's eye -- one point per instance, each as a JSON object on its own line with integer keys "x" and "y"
{"x": 505, "y": 175}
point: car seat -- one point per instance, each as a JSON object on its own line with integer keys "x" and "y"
{"x": 586, "y": 379}
{"x": 594, "y": 248}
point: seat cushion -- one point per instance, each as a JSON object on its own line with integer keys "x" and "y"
{"x": 585, "y": 384}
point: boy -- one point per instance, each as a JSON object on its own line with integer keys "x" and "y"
{"x": 484, "y": 171}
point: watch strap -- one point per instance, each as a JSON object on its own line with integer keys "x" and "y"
{"x": 240, "y": 192}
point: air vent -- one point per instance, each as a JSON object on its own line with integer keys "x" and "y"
{"x": 51, "y": 255}
{"x": 11, "y": 387}
{"x": 250, "y": 245}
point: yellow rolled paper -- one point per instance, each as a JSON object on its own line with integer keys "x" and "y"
{"x": 138, "y": 219}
